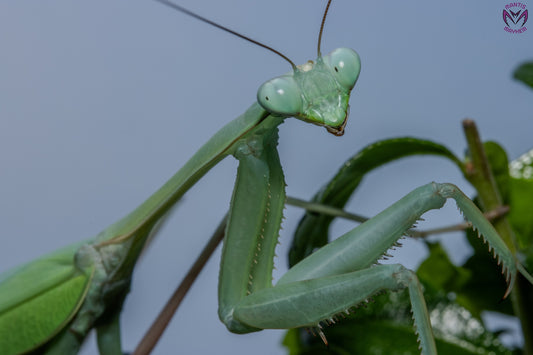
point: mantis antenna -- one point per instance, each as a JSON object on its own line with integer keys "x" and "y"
{"x": 212, "y": 23}
{"x": 322, "y": 29}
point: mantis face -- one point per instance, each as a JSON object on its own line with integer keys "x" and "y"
{"x": 316, "y": 92}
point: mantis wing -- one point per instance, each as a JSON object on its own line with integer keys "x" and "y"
{"x": 38, "y": 299}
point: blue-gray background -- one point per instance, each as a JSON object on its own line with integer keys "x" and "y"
{"x": 102, "y": 101}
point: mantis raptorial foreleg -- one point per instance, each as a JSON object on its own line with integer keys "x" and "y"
{"x": 251, "y": 237}
{"x": 340, "y": 275}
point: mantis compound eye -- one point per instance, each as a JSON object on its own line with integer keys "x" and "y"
{"x": 281, "y": 96}
{"x": 345, "y": 66}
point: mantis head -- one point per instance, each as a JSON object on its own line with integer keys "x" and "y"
{"x": 315, "y": 92}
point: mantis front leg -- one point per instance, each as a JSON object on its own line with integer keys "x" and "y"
{"x": 253, "y": 224}
{"x": 343, "y": 273}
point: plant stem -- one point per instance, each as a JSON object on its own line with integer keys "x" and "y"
{"x": 151, "y": 337}
{"x": 324, "y": 209}
{"x": 478, "y": 172}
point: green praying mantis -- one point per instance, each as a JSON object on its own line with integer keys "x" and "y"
{"x": 88, "y": 281}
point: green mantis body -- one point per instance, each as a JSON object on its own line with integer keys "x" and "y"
{"x": 248, "y": 302}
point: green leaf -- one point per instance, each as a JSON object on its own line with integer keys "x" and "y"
{"x": 485, "y": 289}
{"x": 524, "y": 73}
{"x": 521, "y": 195}
{"x": 313, "y": 229}
{"x": 438, "y": 272}
{"x": 521, "y": 214}
{"x": 292, "y": 341}
{"x": 477, "y": 285}
{"x": 500, "y": 168}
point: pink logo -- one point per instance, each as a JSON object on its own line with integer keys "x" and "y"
{"x": 515, "y": 16}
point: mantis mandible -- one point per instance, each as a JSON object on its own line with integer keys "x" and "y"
{"x": 252, "y": 139}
